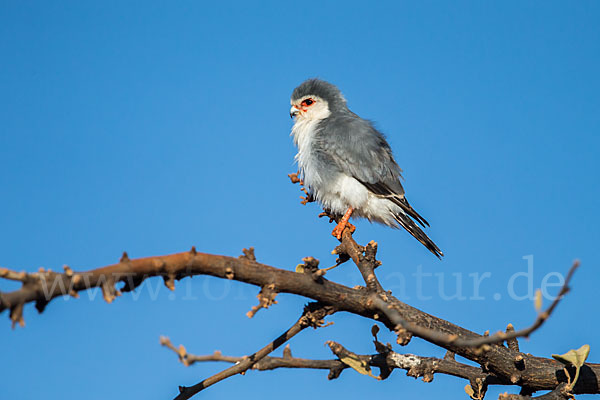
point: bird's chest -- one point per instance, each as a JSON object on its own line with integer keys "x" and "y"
{"x": 304, "y": 133}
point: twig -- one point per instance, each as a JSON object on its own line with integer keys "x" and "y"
{"x": 363, "y": 257}
{"x": 560, "y": 393}
{"x": 442, "y": 338}
{"x": 313, "y": 316}
{"x": 12, "y": 275}
{"x": 416, "y": 366}
{"x": 267, "y": 363}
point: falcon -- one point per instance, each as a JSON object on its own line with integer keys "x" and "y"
{"x": 347, "y": 165}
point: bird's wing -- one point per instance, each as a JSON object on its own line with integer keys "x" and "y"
{"x": 362, "y": 152}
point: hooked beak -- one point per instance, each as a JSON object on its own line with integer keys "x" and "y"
{"x": 294, "y": 111}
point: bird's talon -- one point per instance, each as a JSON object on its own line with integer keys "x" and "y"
{"x": 339, "y": 229}
{"x": 351, "y": 227}
{"x": 337, "y": 232}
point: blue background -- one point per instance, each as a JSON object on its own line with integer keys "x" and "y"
{"x": 154, "y": 126}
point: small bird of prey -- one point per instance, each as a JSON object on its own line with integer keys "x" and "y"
{"x": 347, "y": 165}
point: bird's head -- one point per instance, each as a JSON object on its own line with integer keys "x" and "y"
{"x": 315, "y": 99}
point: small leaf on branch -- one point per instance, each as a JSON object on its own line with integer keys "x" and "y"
{"x": 358, "y": 365}
{"x": 574, "y": 357}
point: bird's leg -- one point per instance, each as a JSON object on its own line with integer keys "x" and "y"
{"x": 339, "y": 229}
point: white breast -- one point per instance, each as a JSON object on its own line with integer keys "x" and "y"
{"x": 303, "y": 133}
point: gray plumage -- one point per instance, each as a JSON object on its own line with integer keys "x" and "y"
{"x": 345, "y": 162}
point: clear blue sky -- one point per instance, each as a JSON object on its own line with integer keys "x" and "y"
{"x": 154, "y": 126}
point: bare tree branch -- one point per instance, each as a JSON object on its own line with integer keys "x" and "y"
{"x": 267, "y": 363}
{"x": 363, "y": 257}
{"x": 439, "y": 337}
{"x": 416, "y": 366}
{"x": 525, "y": 370}
{"x": 313, "y": 315}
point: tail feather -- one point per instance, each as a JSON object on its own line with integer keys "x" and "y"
{"x": 403, "y": 203}
{"x": 412, "y": 228}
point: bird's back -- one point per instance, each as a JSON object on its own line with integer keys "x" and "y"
{"x": 358, "y": 150}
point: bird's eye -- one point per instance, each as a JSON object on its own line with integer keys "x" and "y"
{"x": 307, "y": 102}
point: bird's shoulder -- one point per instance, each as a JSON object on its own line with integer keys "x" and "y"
{"x": 348, "y": 126}
{"x": 358, "y": 148}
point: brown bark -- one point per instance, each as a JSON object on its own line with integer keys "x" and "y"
{"x": 505, "y": 365}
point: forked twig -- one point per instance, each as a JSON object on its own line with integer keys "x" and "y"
{"x": 443, "y": 338}
{"x": 313, "y": 316}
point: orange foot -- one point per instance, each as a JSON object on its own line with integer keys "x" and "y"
{"x": 343, "y": 224}
{"x": 339, "y": 229}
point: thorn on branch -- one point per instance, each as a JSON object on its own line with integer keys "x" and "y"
{"x": 169, "y": 281}
{"x": 512, "y": 343}
{"x": 109, "y": 290}
{"x": 16, "y": 315}
{"x": 335, "y": 372}
{"x": 450, "y": 356}
{"x": 287, "y": 352}
{"x": 520, "y": 362}
{"x": 248, "y": 254}
{"x": 68, "y": 271}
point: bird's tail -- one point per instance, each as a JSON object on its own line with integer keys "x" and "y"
{"x": 412, "y": 228}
